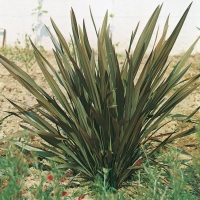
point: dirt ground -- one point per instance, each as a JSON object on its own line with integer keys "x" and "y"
{"x": 11, "y": 89}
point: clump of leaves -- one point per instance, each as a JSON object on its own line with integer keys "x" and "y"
{"x": 103, "y": 116}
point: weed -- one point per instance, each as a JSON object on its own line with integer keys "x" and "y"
{"x": 23, "y": 55}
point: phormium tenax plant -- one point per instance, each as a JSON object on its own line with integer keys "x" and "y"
{"x": 102, "y": 117}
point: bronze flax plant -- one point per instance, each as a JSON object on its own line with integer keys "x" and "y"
{"x": 103, "y": 117}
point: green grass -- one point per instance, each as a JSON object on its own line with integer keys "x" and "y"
{"x": 23, "y": 176}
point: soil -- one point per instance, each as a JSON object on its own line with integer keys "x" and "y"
{"x": 11, "y": 89}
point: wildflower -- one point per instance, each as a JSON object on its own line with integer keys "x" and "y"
{"x": 139, "y": 163}
{"x": 81, "y": 197}
{"x": 17, "y": 182}
{"x": 64, "y": 193}
{"x": 50, "y": 177}
{"x": 63, "y": 180}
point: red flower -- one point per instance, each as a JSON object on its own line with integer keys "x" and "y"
{"x": 81, "y": 197}
{"x": 139, "y": 163}
{"x": 17, "y": 182}
{"x": 63, "y": 180}
{"x": 50, "y": 177}
{"x": 64, "y": 193}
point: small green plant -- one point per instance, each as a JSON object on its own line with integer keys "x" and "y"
{"x": 15, "y": 168}
{"x": 193, "y": 170}
{"x": 38, "y": 11}
{"x": 101, "y": 189}
{"x": 170, "y": 179}
{"x": 12, "y": 173}
{"x": 22, "y": 53}
{"x": 104, "y": 117}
